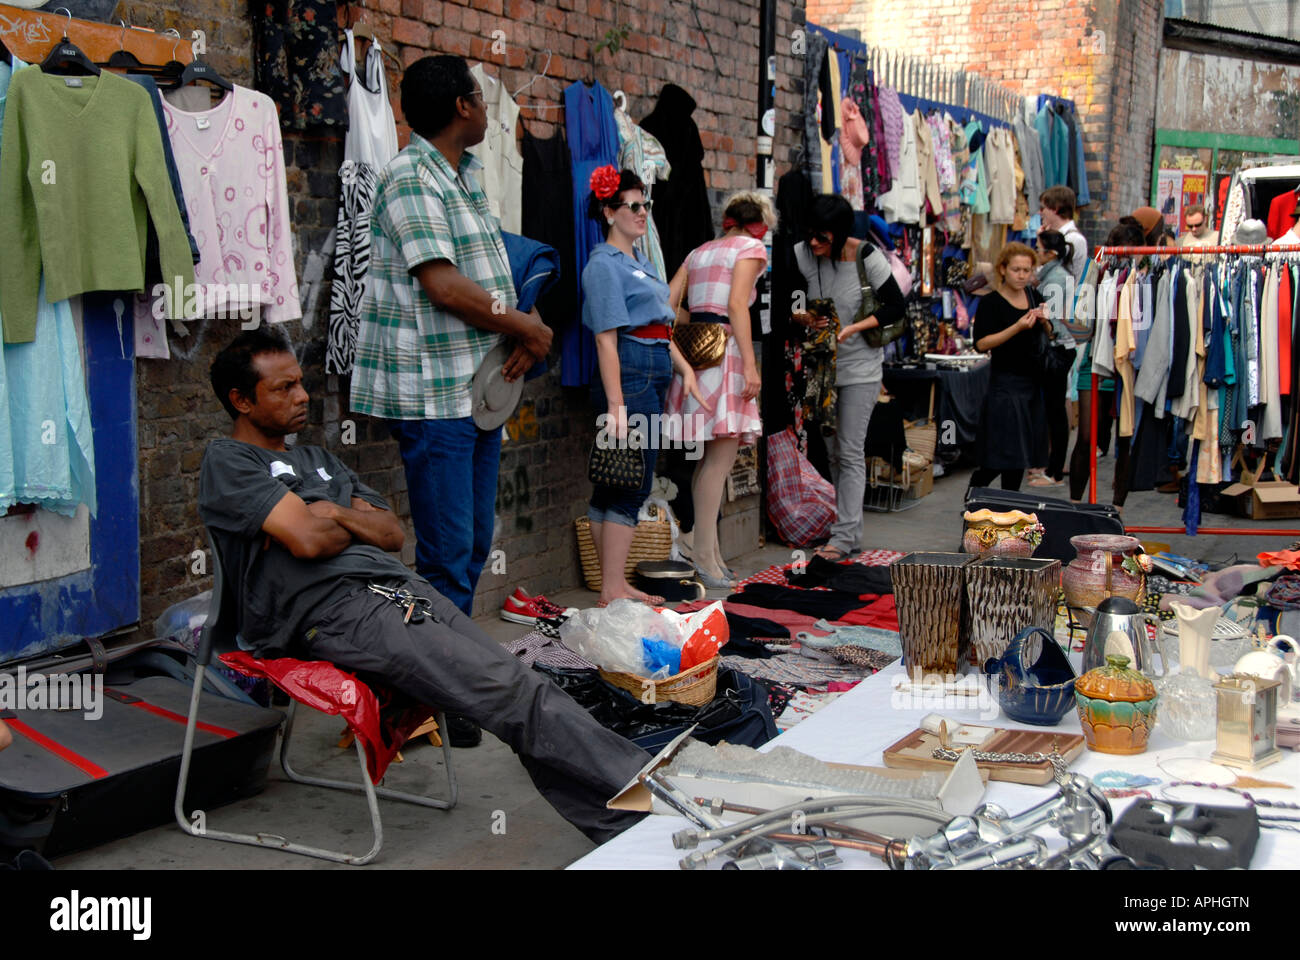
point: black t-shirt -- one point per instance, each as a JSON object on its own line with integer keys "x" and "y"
{"x": 1023, "y": 353}
{"x": 277, "y": 593}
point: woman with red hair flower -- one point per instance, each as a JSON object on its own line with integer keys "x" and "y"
{"x": 627, "y": 309}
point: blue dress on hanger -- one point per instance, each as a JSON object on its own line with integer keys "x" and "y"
{"x": 593, "y": 142}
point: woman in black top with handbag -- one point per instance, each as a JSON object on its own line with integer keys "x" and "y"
{"x": 1012, "y": 327}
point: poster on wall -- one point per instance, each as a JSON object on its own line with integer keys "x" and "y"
{"x": 1195, "y": 183}
{"x": 1169, "y": 195}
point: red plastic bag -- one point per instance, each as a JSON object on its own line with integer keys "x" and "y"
{"x": 709, "y": 632}
{"x": 381, "y": 727}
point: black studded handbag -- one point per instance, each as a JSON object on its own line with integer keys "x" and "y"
{"x": 615, "y": 463}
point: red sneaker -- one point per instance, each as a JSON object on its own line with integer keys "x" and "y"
{"x": 551, "y": 610}
{"x": 521, "y": 611}
{"x": 520, "y": 595}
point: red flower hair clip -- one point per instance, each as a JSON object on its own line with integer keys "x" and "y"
{"x": 604, "y": 181}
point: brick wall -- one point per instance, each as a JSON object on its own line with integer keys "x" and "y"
{"x": 1102, "y": 55}
{"x": 542, "y": 484}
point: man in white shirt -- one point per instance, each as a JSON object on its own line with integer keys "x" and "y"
{"x": 1199, "y": 233}
{"x": 1056, "y": 207}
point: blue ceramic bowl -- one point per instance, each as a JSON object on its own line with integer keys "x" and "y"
{"x": 1035, "y": 679}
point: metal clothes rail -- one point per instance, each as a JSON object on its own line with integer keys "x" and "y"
{"x": 1212, "y": 251}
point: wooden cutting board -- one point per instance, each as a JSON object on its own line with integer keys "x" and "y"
{"x": 915, "y": 751}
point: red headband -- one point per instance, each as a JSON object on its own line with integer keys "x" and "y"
{"x": 756, "y": 230}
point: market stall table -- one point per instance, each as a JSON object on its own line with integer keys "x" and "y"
{"x": 959, "y": 398}
{"x": 858, "y": 726}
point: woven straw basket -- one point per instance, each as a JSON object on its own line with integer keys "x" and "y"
{"x": 653, "y": 540}
{"x": 693, "y": 687}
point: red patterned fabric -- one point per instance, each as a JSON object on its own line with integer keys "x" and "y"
{"x": 324, "y": 687}
{"x": 800, "y": 502}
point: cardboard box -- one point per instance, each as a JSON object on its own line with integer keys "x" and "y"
{"x": 922, "y": 485}
{"x": 1269, "y": 500}
{"x": 960, "y": 794}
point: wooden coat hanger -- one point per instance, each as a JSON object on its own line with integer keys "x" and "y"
{"x": 363, "y": 31}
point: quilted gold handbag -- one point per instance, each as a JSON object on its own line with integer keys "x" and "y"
{"x": 615, "y": 465}
{"x": 702, "y": 345}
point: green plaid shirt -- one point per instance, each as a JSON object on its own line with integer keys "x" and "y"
{"x": 413, "y": 360}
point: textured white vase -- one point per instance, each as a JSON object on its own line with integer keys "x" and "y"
{"x": 1195, "y": 630}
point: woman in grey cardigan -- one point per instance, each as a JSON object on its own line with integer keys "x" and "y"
{"x": 827, "y": 259}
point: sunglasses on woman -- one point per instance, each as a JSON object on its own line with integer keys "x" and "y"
{"x": 636, "y": 208}
{"x": 820, "y": 236}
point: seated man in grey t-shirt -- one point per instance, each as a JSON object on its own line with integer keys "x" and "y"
{"x": 302, "y": 539}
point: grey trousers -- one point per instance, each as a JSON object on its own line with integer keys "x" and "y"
{"x": 448, "y": 662}
{"x": 848, "y": 462}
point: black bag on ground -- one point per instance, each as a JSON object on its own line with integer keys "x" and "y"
{"x": 1060, "y": 518}
{"x": 738, "y": 713}
{"x": 67, "y": 783}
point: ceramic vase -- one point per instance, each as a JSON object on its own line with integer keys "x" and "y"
{"x": 1117, "y": 707}
{"x": 1009, "y": 534}
{"x": 933, "y": 616}
{"x": 1008, "y": 595}
{"x": 1195, "y": 633}
{"x": 1096, "y": 572}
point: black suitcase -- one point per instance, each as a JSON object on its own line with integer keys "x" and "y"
{"x": 68, "y": 783}
{"x": 1060, "y": 518}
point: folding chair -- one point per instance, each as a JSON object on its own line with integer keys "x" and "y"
{"x": 218, "y": 637}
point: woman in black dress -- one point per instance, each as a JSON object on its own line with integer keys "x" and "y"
{"x": 1011, "y": 326}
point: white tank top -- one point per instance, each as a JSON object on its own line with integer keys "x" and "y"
{"x": 372, "y": 131}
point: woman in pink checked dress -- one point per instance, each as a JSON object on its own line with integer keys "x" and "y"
{"x": 719, "y": 279}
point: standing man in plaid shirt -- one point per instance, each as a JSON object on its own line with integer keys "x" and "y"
{"x": 439, "y": 297}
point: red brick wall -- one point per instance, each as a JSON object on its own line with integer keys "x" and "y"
{"x": 541, "y": 490}
{"x": 1103, "y": 55}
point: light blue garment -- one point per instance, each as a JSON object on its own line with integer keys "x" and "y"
{"x": 47, "y": 453}
{"x": 979, "y": 198}
{"x": 886, "y": 641}
{"x": 6, "y": 74}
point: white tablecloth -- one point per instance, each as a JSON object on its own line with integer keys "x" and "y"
{"x": 858, "y": 726}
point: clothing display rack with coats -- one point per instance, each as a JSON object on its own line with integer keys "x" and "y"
{"x": 1204, "y": 336}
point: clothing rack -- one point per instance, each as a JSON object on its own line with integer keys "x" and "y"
{"x": 1213, "y": 251}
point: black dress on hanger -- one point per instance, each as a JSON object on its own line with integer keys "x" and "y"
{"x": 547, "y": 216}
{"x": 681, "y": 203}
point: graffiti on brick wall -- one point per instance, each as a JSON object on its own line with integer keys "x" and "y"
{"x": 514, "y": 498}
{"x": 522, "y": 426}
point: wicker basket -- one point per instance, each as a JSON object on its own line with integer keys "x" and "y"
{"x": 653, "y": 540}
{"x": 694, "y": 687}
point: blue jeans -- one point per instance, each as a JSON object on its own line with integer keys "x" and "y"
{"x": 451, "y": 478}
{"x": 645, "y": 371}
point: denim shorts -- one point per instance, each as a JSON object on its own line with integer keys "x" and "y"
{"x": 645, "y": 371}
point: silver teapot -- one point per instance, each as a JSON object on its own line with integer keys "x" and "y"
{"x": 1120, "y": 615}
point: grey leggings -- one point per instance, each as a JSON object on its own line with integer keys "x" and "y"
{"x": 848, "y": 461}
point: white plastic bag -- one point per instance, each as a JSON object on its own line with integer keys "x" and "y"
{"x": 614, "y": 638}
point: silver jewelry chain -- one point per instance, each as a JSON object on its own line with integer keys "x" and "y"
{"x": 1054, "y": 758}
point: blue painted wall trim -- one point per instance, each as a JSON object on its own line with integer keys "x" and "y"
{"x": 41, "y": 617}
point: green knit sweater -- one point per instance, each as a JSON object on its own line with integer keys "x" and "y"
{"x": 81, "y": 174}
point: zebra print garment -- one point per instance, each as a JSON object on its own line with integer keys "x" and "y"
{"x": 351, "y": 263}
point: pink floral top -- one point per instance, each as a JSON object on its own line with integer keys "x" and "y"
{"x": 231, "y": 164}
